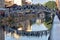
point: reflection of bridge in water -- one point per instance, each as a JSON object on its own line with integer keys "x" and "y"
{"x": 23, "y": 17}
{"x": 33, "y": 33}
{"x": 27, "y": 33}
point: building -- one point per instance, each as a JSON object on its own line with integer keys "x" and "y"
{"x": 18, "y": 2}
{"x": 9, "y": 2}
{"x": 22, "y": 2}
{"x": 26, "y": 2}
{"x": 58, "y": 4}
{"x": 1, "y": 3}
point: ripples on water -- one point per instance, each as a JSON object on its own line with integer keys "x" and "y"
{"x": 10, "y": 36}
{"x": 55, "y": 33}
{"x": 35, "y": 27}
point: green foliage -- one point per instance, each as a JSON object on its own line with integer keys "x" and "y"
{"x": 48, "y": 20}
{"x": 51, "y": 4}
{"x": 48, "y": 24}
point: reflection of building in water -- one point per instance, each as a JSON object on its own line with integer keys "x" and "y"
{"x": 16, "y": 36}
{"x": 18, "y": 2}
{"x": 30, "y": 19}
{"x": 58, "y": 4}
{"x": 41, "y": 17}
{"x": 1, "y": 34}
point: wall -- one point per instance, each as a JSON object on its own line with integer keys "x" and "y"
{"x": 1, "y": 3}
{"x": 58, "y": 4}
{"x": 18, "y": 2}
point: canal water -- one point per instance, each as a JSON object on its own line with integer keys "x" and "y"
{"x": 10, "y": 37}
{"x": 40, "y": 27}
{"x": 55, "y": 33}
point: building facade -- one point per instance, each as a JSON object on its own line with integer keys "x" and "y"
{"x": 18, "y": 2}
{"x": 58, "y": 4}
{"x": 26, "y": 2}
{"x": 1, "y": 3}
{"x": 9, "y": 3}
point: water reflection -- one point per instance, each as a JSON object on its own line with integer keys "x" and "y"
{"x": 14, "y": 36}
{"x": 38, "y": 26}
{"x": 10, "y": 36}
{"x": 55, "y": 33}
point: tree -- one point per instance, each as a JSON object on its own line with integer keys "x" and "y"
{"x": 51, "y": 4}
{"x": 48, "y": 20}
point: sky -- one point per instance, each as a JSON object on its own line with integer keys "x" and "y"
{"x": 41, "y": 1}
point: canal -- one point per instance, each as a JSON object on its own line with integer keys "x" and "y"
{"x": 55, "y": 33}
{"x": 35, "y": 27}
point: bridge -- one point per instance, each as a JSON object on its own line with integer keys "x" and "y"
{"x": 30, "y": 9}
{"x": 26, "y": 15}
{"x": 12, "y": 14}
